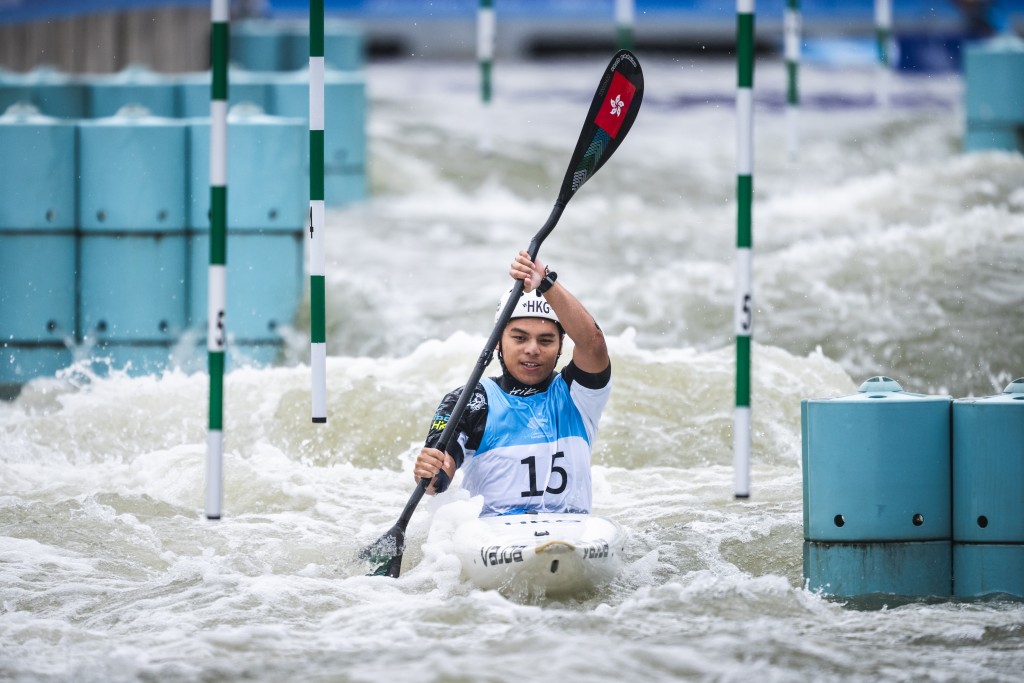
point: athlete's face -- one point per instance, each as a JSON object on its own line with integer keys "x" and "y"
{"x": 530, "y": 347}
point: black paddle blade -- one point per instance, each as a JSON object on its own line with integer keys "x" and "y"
{"x": 615, "y": 106}
{"x": 391, "y": 568}
{"x": 386, "y": 552}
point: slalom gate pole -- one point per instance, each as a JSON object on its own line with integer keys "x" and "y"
{"x": 217, "y": 279}
{"x": 743, "y": 310}
{"x": 791, "y": 22}
{"x": 317, "y": 215}
{"x": 486, "y": 27}
{"x": 625, "y": 18}
{"x": 883, "y": 36}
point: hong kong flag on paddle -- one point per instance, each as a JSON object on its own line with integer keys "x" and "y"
{"x": 616, "y": 104}
{"x": 609, "y": 118}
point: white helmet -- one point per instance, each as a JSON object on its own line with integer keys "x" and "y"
{"x": 531, "y": 305}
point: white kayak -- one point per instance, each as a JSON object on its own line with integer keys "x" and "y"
{"x": 552, "y": 554}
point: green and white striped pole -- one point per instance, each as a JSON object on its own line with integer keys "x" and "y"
{"x": 791, "y": 22}
{"x": 625, "y": 18}
{"x": 217, "y": 278}
{"x": 317, "y": 214}
{"x": 743, "y": 312}
{"x": 883, "y": 36}
{"x": 486, "y": 27}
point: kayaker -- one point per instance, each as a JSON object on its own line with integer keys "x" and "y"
{"x": 525, "y": 439}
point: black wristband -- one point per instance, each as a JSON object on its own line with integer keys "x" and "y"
{"x": 548, "y": 281}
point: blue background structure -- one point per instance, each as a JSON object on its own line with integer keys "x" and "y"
{"x": 915, "y": 11}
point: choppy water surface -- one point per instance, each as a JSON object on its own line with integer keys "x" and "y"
{"x": 883, "y": 250}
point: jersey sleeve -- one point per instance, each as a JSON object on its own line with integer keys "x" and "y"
{"x": 470, "y": 429}
{"x": 590, "y": 392}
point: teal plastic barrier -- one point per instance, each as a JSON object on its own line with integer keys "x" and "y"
{"x": 283, "y": 45}
{"x": 244, "y": 87}
{"x": 264, "y": 289}
{"x": 124, "y": 201}
{"x": 258, "y": 46}
{"x": 37, "y": 246}
{"x": 343, "y": 46}
{"x": 132, "y": 173}
{"x": 52, "y": 92}
{"x": 267, "y": 204}
{"x": 876, "y": 469}
{"x": 911, "y": 569}
{"x": 136, "y": 87}
{"x": 345, "y": 172}
{"x": 999, "y": 136}
{"x": 37, "y": 170}
{"x": 267, "y": 181}
{"x": 988, "y": 493}
{"x": 37, "y": 290}
{"x": 37, "y": 306}
{"x": 133, "y": 288}
{"x": 132, "y": 212}
{"x": 994, "y": 94}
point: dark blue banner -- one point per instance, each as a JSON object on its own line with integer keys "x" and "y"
{"x": 18, "y": 11}
{"x": 907, "y": 12}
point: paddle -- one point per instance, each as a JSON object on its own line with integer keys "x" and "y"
{"x": 612, "y": 112}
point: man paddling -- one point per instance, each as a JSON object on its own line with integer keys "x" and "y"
{"x": 525, "y": 439}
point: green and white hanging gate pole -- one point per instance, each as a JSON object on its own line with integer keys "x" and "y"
{"x": 217, "y": 279}
{"x": 625, "y": 18}
{"x": 791, "y": 23}
{"x": 743, "y": 311}
{"x": 486, "y": 28}
{"x": 883, "y": 36}
{"x": 317, "y": 214}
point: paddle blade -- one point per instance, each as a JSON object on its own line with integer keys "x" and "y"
{"x": 612, "y": 112}
{"x": 386, "y": 553}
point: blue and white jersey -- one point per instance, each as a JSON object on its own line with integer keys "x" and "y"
{"x": 534, "y": 451}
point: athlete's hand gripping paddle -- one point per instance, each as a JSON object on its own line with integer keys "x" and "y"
{"x": 612, "y": 112}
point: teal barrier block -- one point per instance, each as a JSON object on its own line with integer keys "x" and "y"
{"x": 37, "y": 246}
{"x": 993, "y": 82}
{"x": 133, "y": 87}
{"x": 268, "y": 185}
{"x": 268, "y": 195}
{"x": 914, "y": 569}
{"x": 52, "y": 92}
{"x": 986, "y": 569}
{"x": 37, "y": 288}
{"x": 132, "y": 171}
{"x": 877, "y": 466}
{"x": 244, "y": 87}
{"x": 37, "y": 172}
{"x": 264, "y": 285}
{"x": 133, "y": 287}
{"x": 283, "y": 45}
{"x": 259, "y": 46}
{"x": 13, "y": 91}
{"x": 343, "y": 46}
{"x": 988, "y": 468}
{"x": 344, "y": 128}
{"x": 982, "y": 136}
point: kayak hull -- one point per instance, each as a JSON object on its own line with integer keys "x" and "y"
{"x": 552, "y": 554}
